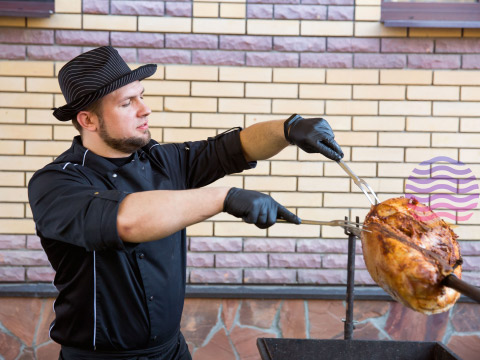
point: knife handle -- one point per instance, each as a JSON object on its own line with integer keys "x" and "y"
{"x": 462, "y": 287}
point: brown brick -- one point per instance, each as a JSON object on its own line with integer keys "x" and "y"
{"x": 420, "y": 61}
{"x": 12, "y": 274}
{"x": 271, "y": 59}
{"x": 379, "y": 61}
{"x": 333, "y": 60}
{"x": 435, "y": 32}
{"x": 218, "y": 57}
{"x": 13, "y": 21}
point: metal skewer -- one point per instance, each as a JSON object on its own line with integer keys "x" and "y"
{"x": 354, "y": 227}
{"x": 362, "y": 184}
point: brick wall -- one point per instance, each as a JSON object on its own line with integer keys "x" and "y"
{"x": 394, "y": 97}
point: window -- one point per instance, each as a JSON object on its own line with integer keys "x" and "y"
{"x": 431, "y": 13}
{"x": 27, "y": 8}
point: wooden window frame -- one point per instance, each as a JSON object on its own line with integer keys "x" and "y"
{"x": 27, "y": 8}
{"x": 431, "y": 15}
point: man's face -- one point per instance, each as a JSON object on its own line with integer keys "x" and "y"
{"x": 123, "y": 122}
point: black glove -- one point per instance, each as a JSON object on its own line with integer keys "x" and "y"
{"x": 313, "y": 136}
{"x": 256, "y": 208}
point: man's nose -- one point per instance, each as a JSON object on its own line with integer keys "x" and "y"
{"x": 144, "y": 109}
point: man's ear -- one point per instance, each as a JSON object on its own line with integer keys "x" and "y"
{"x": 87, "y": 120}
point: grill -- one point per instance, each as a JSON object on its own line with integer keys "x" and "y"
{"x": 350, "y": 349}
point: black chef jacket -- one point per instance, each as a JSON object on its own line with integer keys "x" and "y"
{"x": 115, "y": 295}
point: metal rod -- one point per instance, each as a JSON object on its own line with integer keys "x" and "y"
{"x": 349, "y": 323}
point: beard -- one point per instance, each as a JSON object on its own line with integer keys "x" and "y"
{"x": 126, "y": 145}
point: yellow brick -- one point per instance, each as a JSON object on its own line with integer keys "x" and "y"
{"x": 62, "y": 132}
{"x": 320, "y": 213}
{"x": 272, "y": 90}
{"x": 13, "y": 194}
{"x": 262, "y": 168}
{"x": 367, "y": 13}
{"x": 155, "y": 103}
{"x": 164, "y": 24}
{"x": 11, "y": 147}
{"x": 247, "y": 74}
{"x": 58, "y": 100}
{"x": 396, "y": 170}
{"x": 407, "y": 77}
{"x": 159, "y": 74}
{"x": 361, "y": 213}
{"x": 225, "y": 89}
{"x": 57, "y": 21}
{"x": 471, "y": 32}
{"x": 374, "y": 29}
{"x": 217, "y": 121}
{"x": 467, "y": 156}
{"x": 257, "y": 118}
{"x": 352, "y": 76}
{"x": 298, "y": 198}
{"x": 12, "y": 116}
{"x": 380, "y": 123}
{"x": 459, "y": 77}
{"x": 287, "y": 75}
{"x": 273, "y": 27}
{"x": 361, "y": 169}
{"x": 470, "y": 93}
{"x": 293, "y": 230}
{"x": 12, "y": 210}
{"x": 233, "y": 10}
{"x": 304, "y": 156}
{"x": 237, "y": 229}
{"x": 17, "y": 226}
{"x": 205, "y": 10}
{"x": 351, "y": 107}
{"x": 324, "y": 184}
{"x": 53, "y": 148}
{"x": 23, "y": 162}
{"x": 433, "y": 92}
{"x": 22, "y": 132}
{"x": 157, "y": 134}
{"x": 119, "y": 23}
{"x": 432, "y": 123}
{"x": 12, "y": 83}
{"x": 340, "y": 122}
{"x": 169, "y": 119}
{"x": 433, "y": 32}
{"x": 381, "y": 185}
{"x": 448, "y": 108}
{"x": 404, "y": 139}
{"x": 12, "y": 21}
{"x": 468, "y": 232}
{"x": 297, "y": 168}
{"x": 45, "y": 85}
{"x": 356, "y": 138}
{"x": 200, "y": 229}
{"x": 377, "y": 154}
{"x": 68, "y": 6}
{"x": 26, "y": 68}
{"x": 228, "y": 181}
{"x": 343, "y": 200}
{"x": 219, "y": 26}
{"x": 223, "y": 1}
{"x": 325, "y": 91}
{"x": 360, "y": 3}
{"x": 181, "y": 135}
{"x": 165, "y": 87}
{"x": 289, "y": 153}
{"x": 9, "y": 178}
{"x": 405, "y": 108}
{"x": 470, "y": 125}
{"x": 270, "y": 183}
{"x": 326, "y": 28}
{"x": 35, "y": 116}
{"x": 244, "y": 105}
{"x": 304, "y": 107}
{"x": 419, "y": 155}
{"x": 455, "y": 140}
{"x": 190, "y": 104}
{"x": 386, "y": 92}
{"x": 188, "y": 72}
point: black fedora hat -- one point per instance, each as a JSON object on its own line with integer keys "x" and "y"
{"x": 92, "y": 75}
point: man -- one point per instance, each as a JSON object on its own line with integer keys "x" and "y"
{"x": 111, "y": 211}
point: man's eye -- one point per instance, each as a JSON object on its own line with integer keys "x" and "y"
{"x": 126, "y": 104}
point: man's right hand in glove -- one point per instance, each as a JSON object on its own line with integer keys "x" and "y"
{"x": 256, "y": 208}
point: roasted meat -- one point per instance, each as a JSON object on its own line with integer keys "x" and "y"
{"x": 409, "y": 251}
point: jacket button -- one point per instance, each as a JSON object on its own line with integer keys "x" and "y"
{"x": 150, "y": 298}
{"x": 141, "y": 256}
{"x": 114, "y": 175}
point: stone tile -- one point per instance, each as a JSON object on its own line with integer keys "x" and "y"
{"x": 229, "y": 311}
{"x": 27, "y": 354}
{"x": 367, "y": 331}
{"x": 363, "y": 310}
{"x": 199, "y": 317}
{"x": 325, "y": 318}
{"x": 217, "y": 348}
{"x": 20, "y": 316}
{"x": 406, "y": 324}
{"x": 466, "y": 347}
{"x": 9, "y": 346}
{"x": 258, "y": 313}
{"x": 462, "y": 316}
{"x": 46, "y": 319}
{"x": 245, "y": 342}
{"x": 292, "y": 319}
{"x": 49, "y": 351}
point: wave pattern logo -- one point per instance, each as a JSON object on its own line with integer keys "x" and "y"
{"x": 446, "y": 186}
